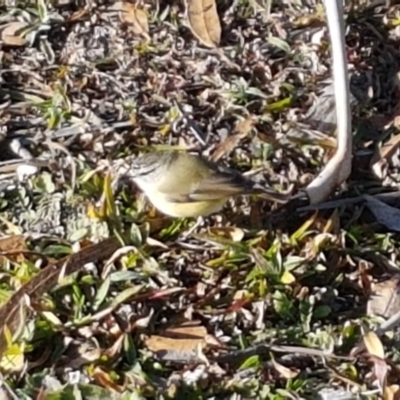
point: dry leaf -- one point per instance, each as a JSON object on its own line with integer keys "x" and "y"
{"x": 158, "y": 344}
{"x": 227, "y": 146}
{"x": 283, "y": 371}
{"x": 187, "y": 329}
{"x": 181, "y": 342}
{"x": 135, "y": 18}
{"x": 204, "y": 21}
{"x": 230, "y": 232}
{"x": 377, "y": 355}
{"x": 237, "y": 304}
{"x": 13, "y": 244}
{"x": 9, "y": 34}
{"x": 78, "y": 15}
{"x": 380, "y": 371}
{"x": 316, "y": 243}
{"x": 243, "y": 128}
{"x": 384, "y": 156}
{"x": 385, "y": 299}
{"x": 374, "y": 345}
{"x": 156, "y": 243}
{"x": 391, "y": 392}
{"x": 365, "y": 283}
{"x": 332, "y": 225}
{"x": 105, "y": 380}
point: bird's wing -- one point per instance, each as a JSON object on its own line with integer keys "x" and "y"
{"x": 221, "y": 185}
{"x": 212, "y": 188}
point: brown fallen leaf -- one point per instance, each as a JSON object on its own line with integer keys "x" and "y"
{"x": 384, "y": 156}
{"x": 104, "y": 379}
{"x": 204, "y": 21}
{"x": 14, "y": 244}
{"x": 185, "y": 330}
{"x": 159, "y": 344}
{"x": 243, "y": 128}
{"x": 391, "y": 392}
{"x": 365, "y": 282}
{"x": 374, "y": 347}
{"x": 373, "y": 344}
{"x": 237, "y": 305}
{"x": 332, "y": 224}
{"x": 283, "y": 371}
{"x": 136, "y": 19}
{"x": 314, "y": 18}
{"x": 78, "y": 15}
{"x": 10, "y": 36}
{"x": 229, "y": 232}
{"x": 385, "y": 298}
{"x": 180, "y": 342}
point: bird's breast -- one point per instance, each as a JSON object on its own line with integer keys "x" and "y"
{"x": 186, "y": 209}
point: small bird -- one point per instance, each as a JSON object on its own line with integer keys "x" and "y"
{"x": 183, "y": 185}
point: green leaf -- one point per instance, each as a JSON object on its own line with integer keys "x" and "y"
{"x": 292, "y": 262}
{"x": 123, "y": 276}
{"x": 279, "y": 43}
{"x": 102, "y": 293}
{"x": 251, "y": 362}
{"x": 47, "y": 50}
{"x": 126, "y": 294}
{"x": 306, "y": 312}
{"x": 57, "y": 250}
{"x": 280, "y": 105}
{"x": 136, "y": 237}
{"x": 52, "y": 318}
{"x": 322, "y": 311}
{"x": 282, "y": 304}
{"x": 129, "y": 349}
{"x": 45, "y": 183}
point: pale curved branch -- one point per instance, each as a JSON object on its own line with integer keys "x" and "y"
{"x": 338, "y": 168}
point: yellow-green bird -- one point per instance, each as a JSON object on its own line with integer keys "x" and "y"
{"x": 181, "y": 184}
